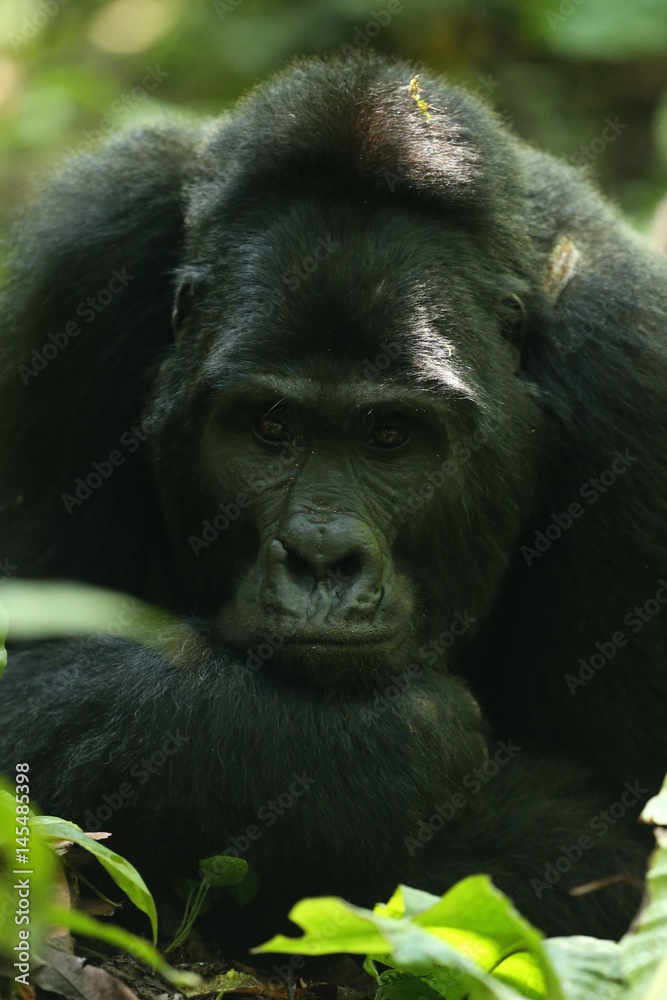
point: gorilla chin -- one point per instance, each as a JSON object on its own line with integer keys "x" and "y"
{"x": 354, "y": 666}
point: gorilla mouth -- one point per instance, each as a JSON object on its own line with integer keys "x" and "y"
{"x": 340, "y": 637}
{"x": 321, "y": 641}
{"x": 331, "y": 657}
{"x": 340, "y": 645}
{"x": 268, "y": 632}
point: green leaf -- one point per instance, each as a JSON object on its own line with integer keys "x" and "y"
{"x": 122, "y": 872}
{"x": 587, "y": 967}
{"x": 4, "y": 625}
{"x": 473, "y": 931}
{"x": 44, "y": 610}
{"x": 655, "y": 810}
{"x": 408, "y": 902}
{"x": 644, "y": 948}
{"x": 222, "y": 869}
{"x": 331, "y": 925}
{"x": 40, "y": 874}
{"x": 401, "y": 986}
{"x": 476, "y": 919}
{"x": 82, "y": 924}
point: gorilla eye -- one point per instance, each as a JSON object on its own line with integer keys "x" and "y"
{"x": 389, "y": 436}
{"x": 270, "y": 429}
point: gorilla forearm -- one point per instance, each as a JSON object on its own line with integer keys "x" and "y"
{"x": 538, "y": 848}
{"x": 204, "y": 738}
{"x": 233, "y": 761}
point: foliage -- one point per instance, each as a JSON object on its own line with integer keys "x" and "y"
{"x": 72, "y": 72}
{"x": 27, "y": 906}
{"x": 471, "y": 944}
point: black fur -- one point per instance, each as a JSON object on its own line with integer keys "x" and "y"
{"x": 344, "y": 265}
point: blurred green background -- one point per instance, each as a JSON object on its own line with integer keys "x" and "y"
{"x": 560, "y": 71}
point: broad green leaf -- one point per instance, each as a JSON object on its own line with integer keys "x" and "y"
{"x": 471, "y": 942}
{"x": 402, "y": 986}
{"x": 587, "y": 967}
{"x": 330, "y": 925}
{"x": 221, "y": 869}
{"x": 655, "y": 810}
{"x": 40, "y": 867}
{"x": 39, "y": 610}
{"x": 122, "y": 872}
{"x": 4, "y": 625}
{"x": 644, "y": 948}
{"x": 480, "y": 922}
{"x": 658, "y": 987}
{"x": 407, "y": 902}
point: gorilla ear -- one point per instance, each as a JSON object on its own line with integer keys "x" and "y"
{"x": 188, "y": 291}
{"x": 512, "y": 314}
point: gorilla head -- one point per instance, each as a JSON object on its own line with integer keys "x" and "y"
{"x": 347, "y": 339}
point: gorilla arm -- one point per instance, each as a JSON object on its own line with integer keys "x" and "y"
{"x": 229, "y": 741}
{"x": 195, "y": 755}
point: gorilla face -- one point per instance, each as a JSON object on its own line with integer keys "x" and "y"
{"x": 354, "y": 385}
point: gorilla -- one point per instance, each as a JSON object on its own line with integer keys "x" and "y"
{"x": 370, "y": 398}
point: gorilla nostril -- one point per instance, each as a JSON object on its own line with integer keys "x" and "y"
{"x": 348, "y": 568}
{"x": 310, "y": 565}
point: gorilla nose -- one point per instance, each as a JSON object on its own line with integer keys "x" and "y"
{"x": 338, "y": 556}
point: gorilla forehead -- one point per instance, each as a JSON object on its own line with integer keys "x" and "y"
{"x": 345, "y": 288}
